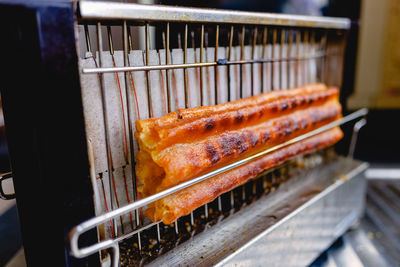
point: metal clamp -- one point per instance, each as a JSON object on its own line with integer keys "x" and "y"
{"x": 3, "y": 177}
{"x": 357, "y": 126}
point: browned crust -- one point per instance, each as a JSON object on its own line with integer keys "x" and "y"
{"x": 183, "y": 202}
{"x": 251, "y": 101}
{"x": 180, "y": 162}
{"x": 156, "y": 134}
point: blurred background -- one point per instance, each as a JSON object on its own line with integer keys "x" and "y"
{"x": 371, "y": 79}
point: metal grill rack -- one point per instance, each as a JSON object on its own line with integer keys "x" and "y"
{"x": 147, "y": 61}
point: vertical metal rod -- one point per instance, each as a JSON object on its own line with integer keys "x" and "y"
{"x": 149, "y": 101}
{"x": 273, "y": 70}
{"x": 176, "y": 227}
{"x": 241, "y": 58}
{"x": 298, "y": 62}
{"x": 290, "y": 63}
{"x": 129, "y": 110}
{"x": 130, "y": 43}
{"x": 167, "y": 56}
{"x": 87, "y": 37}
{"x": 219, "y": 204}
{"x": 243, "y": 193}
{"x": 232, "y": 199}
{"x": 216, "y": 68}
{"x": 185, "y": 39}
{"x": 110, "y": 42}
{"x": 201, "y": 60}
{"x": 312, "y": 49}
{"x": 229, "y": 67}
{"x": 139, "y": 241}
{"x": 264, "y": 44}
{"x": 191, "y": 218}
{"x": 111, "y": 47}
{"x": 253, "y": 47}
{"x": 305, "y": 54}
{"x": 283, "y": 37}
{"x": 324, "y": 58}
{"x": 105, "y": 121}
{"x": 135, "y": 191}
{"x": 158, "y": 233}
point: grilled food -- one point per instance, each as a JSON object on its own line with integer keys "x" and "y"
{"x": 183, "y": 202}
{"x": 183, "y": 145}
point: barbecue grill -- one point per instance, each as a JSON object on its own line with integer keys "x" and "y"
{"x": 92, "y": 68}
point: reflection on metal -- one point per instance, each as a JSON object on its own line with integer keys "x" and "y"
{"x": 89, "y": 224}
{"x": 383, "y": 174}
{"x": 292, "y": 224}
{"x": 93, "y": 10}
{"x": 357, "y": 126}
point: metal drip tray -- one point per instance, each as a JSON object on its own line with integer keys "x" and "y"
{"x": 292, "y": 224}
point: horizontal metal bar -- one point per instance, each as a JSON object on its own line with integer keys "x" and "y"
{"x": 219, "y": 62}
{"x": 101, "y": 219}
{"x": 93, "y": 10}
{"x": 148, "y": 68}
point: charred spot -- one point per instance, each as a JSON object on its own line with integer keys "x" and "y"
{"x": 296, "y": 125}
{"x": 227, "y": 144}
{"x": 288, "y": 131}
{"x": 314, "y": 118}
{"x": 212, "y": 153}
{"x": 311, "y": 99}
{"x": 251, "y": 115}
{"x": 279, "y": 130}
{"x": 239, "y": 117}
{"x": 253, "y": 139}
{"x": 294, "y": 103}
{"x": 284, "y": 105}
{"x": 241, "y": 144}
{"x": 303, "y": 101}
{"x": 265, "y": 135}
{"x": 273, "y": 107}
{"x": 304, "y": 123}
{"x": 261, "y": 113}
{"x": 209, "y": 125}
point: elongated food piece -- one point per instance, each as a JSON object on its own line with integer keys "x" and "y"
{"x": 183, "y": 202}
{"x": 182, "y": 161}
{"x": 157, "y": 133}
{"x": 180, "y": 146}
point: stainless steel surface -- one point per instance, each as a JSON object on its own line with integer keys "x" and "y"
{"x": 374, "y": 241}
{"x": 383, "y": 174}
{"x": 85, "y": 226}
{"x": 236, "y": 71}
{"x": 93, "y": 10}
{"x": 291, "y": 225}
{"x": 357, "y": 127}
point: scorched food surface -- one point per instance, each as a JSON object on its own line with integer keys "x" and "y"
{"x": 182, "y": 145}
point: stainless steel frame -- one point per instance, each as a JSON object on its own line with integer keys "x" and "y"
{"x": 303, "y": 27}
{"x": 92, "y": 10}
{"x": 90, "y": 224}
{"x": 291, "y": 226}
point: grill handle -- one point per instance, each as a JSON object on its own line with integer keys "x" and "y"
{"x": 3, "y": 177}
